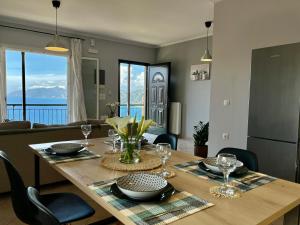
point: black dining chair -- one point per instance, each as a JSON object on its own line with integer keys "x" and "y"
{"x": 167, "y": 138}
{"x": 51, "y": 209}
{"x": 247, "y": 157}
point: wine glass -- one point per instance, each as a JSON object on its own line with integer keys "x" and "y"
{"x": 86, "y": 130}
{"x": 164, "y": 152}
{"x": 113, "y": 135}
{"x": 227, "y": 164}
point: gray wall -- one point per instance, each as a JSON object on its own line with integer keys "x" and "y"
{"x": 109, "y": 54}
{"x": 239, "y": 27}
{"x": 194, "y": 95}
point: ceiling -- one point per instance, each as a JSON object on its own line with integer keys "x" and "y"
{"x": 151, "y": 22}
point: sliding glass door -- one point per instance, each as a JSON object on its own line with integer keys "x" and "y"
{"x": 132, "y": 88}
{"x": 36, "y": 87}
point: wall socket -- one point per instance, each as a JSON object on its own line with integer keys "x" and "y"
{"x": 225, "y": 136}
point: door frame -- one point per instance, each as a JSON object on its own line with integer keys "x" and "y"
{"x": 97, "y": 82}
{"x": 146, "y": 81}
{"x": 168, "y": 64}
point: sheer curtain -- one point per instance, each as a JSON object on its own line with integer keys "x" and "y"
{"x": 2, "y": 85}
{"x": 76, "y": 105}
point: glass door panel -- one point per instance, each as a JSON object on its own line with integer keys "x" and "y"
{"x": 14, "y": 85}
{"x": 46, "y": 88}
{"x": 124, "y": 68}
{"x": 137, "y": 90}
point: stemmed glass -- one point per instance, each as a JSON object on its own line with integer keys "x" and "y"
{"x": 113, "y": 135}
{"x": 86, "y": 130}
{"x": 227, "y": 164}
{"x": 164, "y": 152}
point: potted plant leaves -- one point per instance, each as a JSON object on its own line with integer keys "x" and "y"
{"x": 200, "y": 138}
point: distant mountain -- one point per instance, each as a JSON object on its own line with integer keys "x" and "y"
{"x": 55, "y": 92}
{"x": 136, "y": 94}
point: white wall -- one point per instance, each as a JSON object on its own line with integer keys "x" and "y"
{"x": 239, "y": 27}
{"x": 109, "y": 52}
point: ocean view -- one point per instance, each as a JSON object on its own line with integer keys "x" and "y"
{"x": 51, "y": 111}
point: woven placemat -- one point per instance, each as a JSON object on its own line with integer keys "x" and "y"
{"x": 148, "y": 162}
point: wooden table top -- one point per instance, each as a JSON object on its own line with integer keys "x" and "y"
{"x": 261, "y": 205}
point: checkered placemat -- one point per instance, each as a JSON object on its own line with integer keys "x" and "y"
{"x": 180, "y": 205}
{"x": 246, "y": 183}
{"x": 54, "y": 159}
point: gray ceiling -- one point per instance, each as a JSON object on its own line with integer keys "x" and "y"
{"x": 153, "y": 22}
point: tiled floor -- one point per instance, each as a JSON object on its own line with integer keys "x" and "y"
{"x": 7, "y": 216}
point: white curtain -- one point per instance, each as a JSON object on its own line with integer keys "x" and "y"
{"x": 2, "y": 85}
{"x": 76, "y": 105}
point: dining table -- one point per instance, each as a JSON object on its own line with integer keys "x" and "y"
{"x": 261, "y": 205}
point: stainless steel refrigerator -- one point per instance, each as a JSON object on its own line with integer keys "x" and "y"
{"x": 273, "y": 126}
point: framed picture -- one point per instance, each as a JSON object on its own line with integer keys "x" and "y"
{"x": 200, "y": 72}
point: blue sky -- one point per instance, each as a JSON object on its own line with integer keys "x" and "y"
{"x": 36, "y": 63}
{"x": 137, "y": 81}
{"x": 42, "y": 71}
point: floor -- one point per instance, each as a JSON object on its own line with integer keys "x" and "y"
{"x": 7, "y": 216}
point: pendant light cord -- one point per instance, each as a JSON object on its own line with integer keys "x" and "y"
{"x": 56, "y": 21}
{"x": 207, "y": 38}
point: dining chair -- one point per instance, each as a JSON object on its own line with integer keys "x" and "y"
{"x": 167, "y": 138}
{"x": 247, "y": 157}
{"x": 49, "y": 209}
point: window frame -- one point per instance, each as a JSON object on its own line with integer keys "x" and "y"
{"x": 23, "y": 51}
{"x": 129, "y": 62}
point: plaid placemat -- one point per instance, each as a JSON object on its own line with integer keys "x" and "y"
{"x": 246, "y": 183}
{"x": 54, "y": 159}
{"x": 180, "y": 205}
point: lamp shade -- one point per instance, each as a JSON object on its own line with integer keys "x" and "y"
{"x": 206, "y": 57}
{"x": 56, "y": 46}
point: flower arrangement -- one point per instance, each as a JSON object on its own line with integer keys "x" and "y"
{"x": 131, "y": 132}
{"x": 112, "y": 108}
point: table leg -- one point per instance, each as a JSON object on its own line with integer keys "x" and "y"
{"x": 37, "y": 172}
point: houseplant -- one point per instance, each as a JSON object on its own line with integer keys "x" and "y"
{"x": 112, "y": 108}
{"x": 200, "y": 138}
{"x": 130, "y": 132}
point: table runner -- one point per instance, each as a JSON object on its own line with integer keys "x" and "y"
{"x": 192, "y": 168}
{"x": 54, "y": 159}
{"x": 138, "y": 213}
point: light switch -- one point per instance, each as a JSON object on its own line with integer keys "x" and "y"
{"x": 226, "y": 102}
{"x": 225, "y": 136}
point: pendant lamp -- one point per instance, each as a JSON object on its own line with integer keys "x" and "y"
{"x": 207, "y": 56}
{"x": 55, "y": 45}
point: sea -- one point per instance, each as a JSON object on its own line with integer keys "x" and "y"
{"x": 46, "y": 111}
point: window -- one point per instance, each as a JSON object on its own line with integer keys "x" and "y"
{"x": 36, "y": 87}
{"x": 132, "y": 88}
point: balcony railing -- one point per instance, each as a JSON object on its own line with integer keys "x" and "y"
{"x": 135, "y": 109}
{"x": 39, "y": 113}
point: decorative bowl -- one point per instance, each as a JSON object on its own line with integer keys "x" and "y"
{"x": 66, "y": 148}
{"x": 211, "y": 163}
{"x": 141, "y": 185}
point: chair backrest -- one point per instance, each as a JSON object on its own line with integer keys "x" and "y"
{"x": 167, "y": 138}
{"x": 42, "y": 216}
{"x": 20, "y": 201}
{"x": 248, "y": 158}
